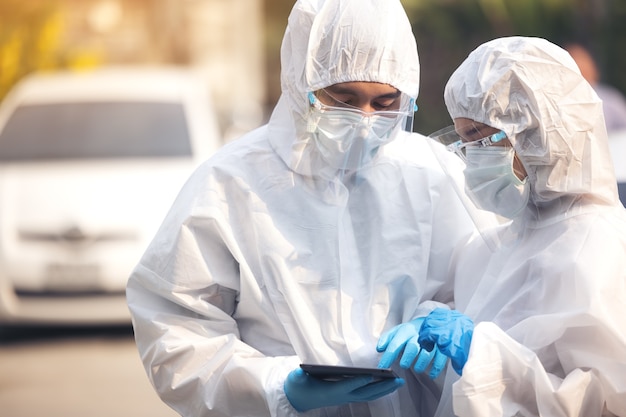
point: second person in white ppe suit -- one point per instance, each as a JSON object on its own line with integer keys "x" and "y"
{"x": 306, "y": 239}
{"x": 549, "y": 303}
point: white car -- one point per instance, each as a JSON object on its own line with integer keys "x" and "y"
{"x": 90, "y": 163}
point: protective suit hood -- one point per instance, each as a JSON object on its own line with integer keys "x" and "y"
{"x": 533, "y": 91}
{"x": 330, "y": 42}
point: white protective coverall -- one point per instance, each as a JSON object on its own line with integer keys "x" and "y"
{"x": 269, "y": 258}
{"x": 550, "y": 303}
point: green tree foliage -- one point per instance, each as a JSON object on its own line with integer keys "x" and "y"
{"x": 447, "y": 30}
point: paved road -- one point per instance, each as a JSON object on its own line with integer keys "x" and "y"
{"x": 77, "y": 373}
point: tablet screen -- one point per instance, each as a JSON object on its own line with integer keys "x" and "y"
{"x": 336, "y": 373}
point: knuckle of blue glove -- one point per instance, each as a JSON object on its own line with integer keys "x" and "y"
{"x": 411, "y": 352}
{"x": 427, "y": 342}
{"x": 385, "y": 338}
{"x": 438, "y": 364}
{"x": 296, "y": 387}
{"x": 376, "y": 389}
{"x": 395, "y": 340}
{"x": 451, "y": 332}
{"x": 386, "y": 360}
{"x": 423, "y": 360}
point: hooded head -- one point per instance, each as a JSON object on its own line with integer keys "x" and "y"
{"x": 337, "y": 41}
{"x": 533, "y": 91}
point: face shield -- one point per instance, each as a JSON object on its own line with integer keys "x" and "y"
{"x": 455, "y": 142}
{"x": 488, "y": 186}
{"x": 333, "y": 42}
{"x": 534, "y": 90}
{"x": 347, "y": 137}
{"x": 494, "y": 179}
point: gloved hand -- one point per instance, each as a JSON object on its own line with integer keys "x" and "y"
{"x": 305, "y": 392}
{"x": 404, "y": 337}
{"x": 451, "y": 332}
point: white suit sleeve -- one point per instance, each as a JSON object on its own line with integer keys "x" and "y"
{"x": 188, "y": 341}
{"x": 504, "y": 378}
{"x": 192, "y": 361}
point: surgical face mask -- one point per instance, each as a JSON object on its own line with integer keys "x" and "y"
{"x": 349, "y": 138}
{"x": 491, "y": 183}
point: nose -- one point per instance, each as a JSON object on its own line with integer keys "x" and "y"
{"x": 367, "y": 108}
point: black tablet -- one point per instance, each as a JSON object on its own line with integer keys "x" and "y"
{"x": 336, "y": 373}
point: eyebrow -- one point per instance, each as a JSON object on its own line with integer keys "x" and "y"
{"x": 470, "y": 131}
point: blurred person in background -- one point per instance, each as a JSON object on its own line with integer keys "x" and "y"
{"x": 305, "y": 240}
{"x": 614, "y": 105}
{"x": 549, "y": 301}
{"x": 613, "y": 101}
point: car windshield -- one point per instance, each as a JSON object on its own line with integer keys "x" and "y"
{"x": 95, "y": 130}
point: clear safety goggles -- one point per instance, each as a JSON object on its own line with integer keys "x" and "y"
{"x": 454, "y": 142}
{"x": 406, "y": 108}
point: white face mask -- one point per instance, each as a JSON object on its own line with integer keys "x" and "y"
{"x": 491, "y": 183}
{"x": 349, "y": 140}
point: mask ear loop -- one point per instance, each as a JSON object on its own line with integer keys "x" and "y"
{"x": 519, "y": 174}
{"x": 311, "y": 124}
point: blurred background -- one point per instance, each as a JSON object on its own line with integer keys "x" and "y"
{"x": 88, "y": 367}
{"x": 235, "y": 43}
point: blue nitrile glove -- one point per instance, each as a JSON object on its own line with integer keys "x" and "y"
{"x": 404, "y": 337}
{"x": 451, "y": 332}
{"x": 305, "y": 392}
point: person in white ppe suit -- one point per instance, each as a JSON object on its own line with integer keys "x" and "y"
{"x": 306, "y": 239}
{"x": 549, "y": 304}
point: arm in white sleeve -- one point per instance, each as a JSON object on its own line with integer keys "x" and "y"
{"x": 185, "y": 332}
{"x": 504, "y": 378}
{"x": 196, "y": 362}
